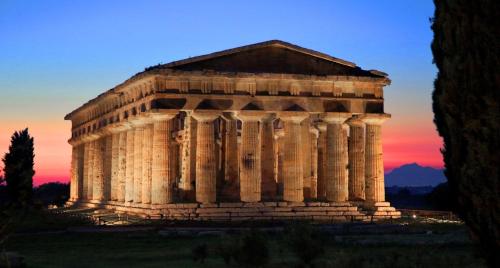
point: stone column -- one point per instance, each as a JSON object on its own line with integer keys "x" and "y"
{"x": 306, "y": 156}
{"x": 138, "y": 143}
{"x": 269, "y": 186}
{"x": 147, "y": 157}
{"x": 85, "y": 186}
{"x": 374, "y": 162}
{"x": 161, "y": 180}
{"x": 250, "y": 156}
{"x": 107, "y": 158}
{"x": 314, "y": 162}
{"x": 231, "y": 159}
{"x": 336, "y": 183}
{"x": 90, "y": 183}
{"x": 115, "y": 140}
{"x": 98, "y": 164}
{"x": 292, "y": 156}
{"x": 205, "y": 157}
{"x": 279, "y": 154}
{"x": 74, "y": 174}
{"x": 321, "y": 191}
{"x": 129, "y": 178}
{"x": 122, "y": 166}
{"x": 80, "y": 170}
{"x": 188, "y": 161}
{"x": 356, "y": 159}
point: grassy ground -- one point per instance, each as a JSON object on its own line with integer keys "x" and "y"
{"x": 420, "y": 245}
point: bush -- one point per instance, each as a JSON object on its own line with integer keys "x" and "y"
{"x": 200, "y": 253}
{"x": 227, "y": 249}
{"x": 252, "y": 250}
{"x": 304, "y": 242}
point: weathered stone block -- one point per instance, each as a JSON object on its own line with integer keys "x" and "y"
{"x": 231, "y": 205}
{"x": 253, "y": 205}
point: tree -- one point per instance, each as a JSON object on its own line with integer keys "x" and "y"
{"x": 466, "y": 112}
{"x": 18, "y": 168}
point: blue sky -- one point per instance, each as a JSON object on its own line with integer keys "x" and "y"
{"x": 55, "y": 55}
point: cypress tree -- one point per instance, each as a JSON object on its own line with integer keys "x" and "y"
{"x": 467, "y": 113}
{"x": 18, "y": 168}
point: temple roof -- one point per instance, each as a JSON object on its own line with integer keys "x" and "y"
{"x": 272, "y": 56}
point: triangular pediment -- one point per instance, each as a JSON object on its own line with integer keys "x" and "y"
{"x": 270, "y": 57}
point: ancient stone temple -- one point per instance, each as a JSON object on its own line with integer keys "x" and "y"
{"x": 265, "y": 131}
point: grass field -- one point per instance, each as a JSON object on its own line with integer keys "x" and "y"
{"x": 420, "y": 245}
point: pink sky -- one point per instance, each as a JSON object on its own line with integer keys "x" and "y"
{"x": 53, "y": 153}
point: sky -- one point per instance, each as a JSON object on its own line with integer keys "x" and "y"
{"x": 56, "y": 55}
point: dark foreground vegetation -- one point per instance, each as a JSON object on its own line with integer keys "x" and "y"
{"x": 466, "y": 103}
{"x": 296, "y": 245}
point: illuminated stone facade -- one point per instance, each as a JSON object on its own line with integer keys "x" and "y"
{"x": 264, "y": 131}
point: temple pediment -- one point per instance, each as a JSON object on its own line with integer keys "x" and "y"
{"x": 270, "y": 57}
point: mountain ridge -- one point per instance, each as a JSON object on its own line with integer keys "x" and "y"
{"x": 415, "y": 175}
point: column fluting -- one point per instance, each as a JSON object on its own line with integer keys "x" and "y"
{"x": 356, "y": 159}
{"x": 205, "y": 157}
{"x": 250, "y": 156}
{"x": 292, "y": 156}
{"x": 336, "y": 177}
{"x": 374, "y": 162}
{"x": 161, "y": 181}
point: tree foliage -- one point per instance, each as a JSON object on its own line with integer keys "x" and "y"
{"x": 467, "y": 114}
{"x": 18, "y": 168}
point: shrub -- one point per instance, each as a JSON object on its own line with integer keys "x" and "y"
{"x": 304, "y": 242}
{"x": 252, "y": 250}
{"x": 200, "y": 253}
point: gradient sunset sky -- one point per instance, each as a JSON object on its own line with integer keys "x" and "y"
{"x": 56, "y": 55}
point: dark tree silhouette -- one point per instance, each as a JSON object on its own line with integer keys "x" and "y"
{"x": 467, "y": 114}
{"x": 18, "y": 168}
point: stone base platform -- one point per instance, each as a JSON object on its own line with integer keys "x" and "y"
{"x": 315, "y": 211}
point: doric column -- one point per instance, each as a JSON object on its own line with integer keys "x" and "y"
{"x": 74, "y": 174}
{"x": 314, "y": 162}
{"x": 321, "y": 190}
{"x": 85, "y": 186}
{"x": 129, "y": 178}
{"x": 107, "y": 159}
{"x": 161, "y": 180}
{"x": 115, "y": 143}
{"x": 269, "y": 186}
{"x": 138, "y": 142}
{"x": 188, "y": 161}
{"x": 356, "y": 159}
{"x": 279, "y": 154}
{"x": 306, "y": 156}
{"x": 231, "y": 159}
{"x": 336, "y": 179}
{"x": 90, "y": 166}
{"x": 80, "y": 170}
{"x": 147, "y": 157}
{"x": 205, "y": 157}
{"x": 292, "y": 156}
{"x": 98, "y": 164}
{"x": 250, "y": 161}
{"x": 122, "y": 165}
{"x": 374, "y": 162}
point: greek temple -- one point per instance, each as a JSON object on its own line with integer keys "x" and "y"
{"x": 259, "y": 132}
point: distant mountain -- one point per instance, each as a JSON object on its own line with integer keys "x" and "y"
{"x": 414, "y": 175}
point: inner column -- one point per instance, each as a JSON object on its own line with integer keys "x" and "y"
{"x": 231, "y": 159}
{"x": 321, "y": 191}
{"x": 356, "y": 159}
{"x": 268, "y": 161}
{"x": 206, "y": 169}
